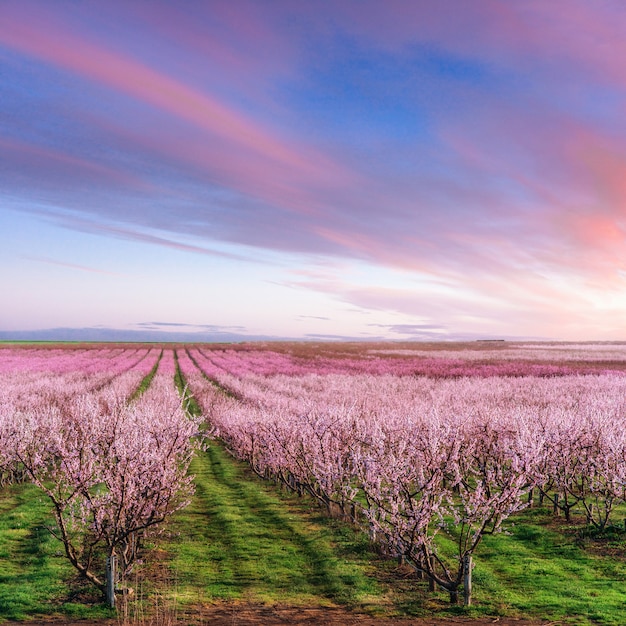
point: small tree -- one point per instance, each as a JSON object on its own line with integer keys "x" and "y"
{"x": 112, "y": 473}
{"x": 442, "y": 475}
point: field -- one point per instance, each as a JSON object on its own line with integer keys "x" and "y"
{"x": 313, "y": 483}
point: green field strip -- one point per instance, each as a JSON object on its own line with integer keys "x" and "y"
{"x": 242, "y": 540}
{"x": 35, "y": 575}
{"x": 538, "y": 570}
{"x": 189, "y": 402}
{"x": 146, "y": 380}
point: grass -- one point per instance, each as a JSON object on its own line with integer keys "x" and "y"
{"x": 34, "y": 573}
{"x": 241, "y": 539}
{"x": 541, "y": 569}
{"x": 146, "y": 380}
{"x": 245, "y": 540}
{"x": 189, "y": 402}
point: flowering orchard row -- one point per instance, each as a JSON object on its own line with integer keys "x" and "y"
{"x": 39, "y": 376}
{"x": 607, "y": 352}
{"x": 519, "y": 361}
{"x": 113, "y": 465}
{"x": 93, "y": 360}
{"x": 412, "y": 457}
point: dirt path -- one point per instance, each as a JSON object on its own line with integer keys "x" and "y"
{"x": 242, "y": 614}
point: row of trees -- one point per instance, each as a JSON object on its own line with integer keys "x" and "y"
{"x": 113, "y": 470}
{"x": 243, "y": 363}
{"x": 26, "y": 360}
{"x": 411, "y": 458}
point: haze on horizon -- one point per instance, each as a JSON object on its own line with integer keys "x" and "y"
{"x": 365, "y": 169}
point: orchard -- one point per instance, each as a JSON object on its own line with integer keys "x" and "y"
{"x": 426, "y": 451}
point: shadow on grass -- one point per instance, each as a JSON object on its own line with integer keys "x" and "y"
{"x": 34, "y": 572}
{"x": 29, "y": 572}
{"x": 239, "y": 539}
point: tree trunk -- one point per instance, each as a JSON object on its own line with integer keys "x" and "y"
{"x": 110, "y": 580}
{"x": 566, "y": 507}
{"x": 467, "y": 580}
{"x": 431, "y": 580}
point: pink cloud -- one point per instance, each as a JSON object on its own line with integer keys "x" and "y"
{"x": 31, "y": 157}
{"x": 236, "y": 42}
{"x": 121, "y": 232}
{"x": 574, "y": 34}
{"x": 249, "y": 150}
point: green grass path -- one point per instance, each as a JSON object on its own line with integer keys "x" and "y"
{"x": 242, "y": 539}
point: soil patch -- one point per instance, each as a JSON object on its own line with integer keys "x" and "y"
{"x": 247, "y": 614}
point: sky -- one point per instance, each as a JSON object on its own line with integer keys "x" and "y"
{"x": 314, "y": 170}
